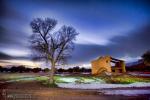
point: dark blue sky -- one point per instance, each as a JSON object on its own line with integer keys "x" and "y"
{"x": 120, "y": 28}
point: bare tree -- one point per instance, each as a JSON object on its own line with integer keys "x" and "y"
{"x": 55, "y": 47}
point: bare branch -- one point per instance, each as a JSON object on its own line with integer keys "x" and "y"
{"x": 53, "y": 47}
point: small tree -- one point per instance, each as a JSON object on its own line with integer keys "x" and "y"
{"x": 55, "y": 47}
{"x": 146, "y": 57}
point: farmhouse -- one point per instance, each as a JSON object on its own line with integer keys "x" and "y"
{"x": 103, "y": 64}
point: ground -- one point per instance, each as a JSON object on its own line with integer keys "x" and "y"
{"x": 33, "y": 89}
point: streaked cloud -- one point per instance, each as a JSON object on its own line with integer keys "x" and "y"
{"x": 116, "y": 28}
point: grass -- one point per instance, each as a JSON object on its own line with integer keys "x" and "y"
{"x": 125, "y": 79}
{"x": 121, "y": 79}
{"x": 44, "y": 80}
{"x": 46, "y": 83}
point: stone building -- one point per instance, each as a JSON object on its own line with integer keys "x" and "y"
{"x": 103, "y": 64}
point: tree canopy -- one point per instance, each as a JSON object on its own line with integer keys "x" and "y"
{"x": 146, "y": 57}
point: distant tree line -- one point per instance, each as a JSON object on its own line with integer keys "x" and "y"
{"x": 22, "y": 69}
{"x": 74, "y": 70}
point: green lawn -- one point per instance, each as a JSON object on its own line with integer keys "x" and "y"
{"x": 70, "y": 79}
{"x": 124, "y": 79}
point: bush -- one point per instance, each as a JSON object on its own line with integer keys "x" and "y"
{"x": 54, "y": 85}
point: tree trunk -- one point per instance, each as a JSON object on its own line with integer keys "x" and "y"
{"x": 52, "y": 72}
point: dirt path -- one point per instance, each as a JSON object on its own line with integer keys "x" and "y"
{"x": 33, "y": 90}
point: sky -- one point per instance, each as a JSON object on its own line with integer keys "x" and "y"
{"x": 119, "y": 28}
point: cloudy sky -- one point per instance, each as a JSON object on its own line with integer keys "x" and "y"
{"x": 120, "y": 28}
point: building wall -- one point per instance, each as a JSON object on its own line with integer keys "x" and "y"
{"x": 101, "y": 64}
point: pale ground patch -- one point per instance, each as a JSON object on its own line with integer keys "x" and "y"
{"x": 101, "y": 85}
{"x": 126, "y": 92}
